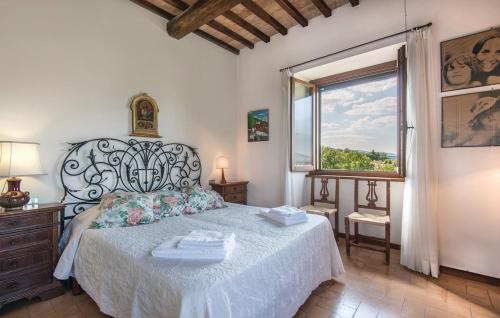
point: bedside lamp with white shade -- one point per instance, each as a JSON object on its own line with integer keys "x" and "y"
{"x": 18, "y": 159}
{"x": 222, "y": 163}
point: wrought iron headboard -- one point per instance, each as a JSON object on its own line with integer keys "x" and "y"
{"x": 99, "y": 166}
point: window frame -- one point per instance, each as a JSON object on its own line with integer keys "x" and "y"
{"x": 314, "y": 95}
{"x": 399, "y": 68}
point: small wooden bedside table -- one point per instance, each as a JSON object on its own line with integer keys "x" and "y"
{"x": 235, "y": 192}
{"x": 28, "y": 253}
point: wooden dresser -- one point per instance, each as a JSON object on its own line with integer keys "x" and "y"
{"x": 235, "y": 192}
{"x": 28, "y": 253}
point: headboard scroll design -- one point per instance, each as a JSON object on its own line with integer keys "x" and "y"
{"x": 99, "y": 166}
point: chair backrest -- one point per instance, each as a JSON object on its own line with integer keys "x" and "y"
{"x": 324, "y": 193}
{"x": 371, "y": 196}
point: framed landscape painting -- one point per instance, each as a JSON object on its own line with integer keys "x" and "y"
{"x": 258, "y": 125}
{"x": 471, "y": 61}
{"x": 471, "y": 120}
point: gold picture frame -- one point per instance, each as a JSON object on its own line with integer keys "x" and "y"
{"x": 144, "y": 116}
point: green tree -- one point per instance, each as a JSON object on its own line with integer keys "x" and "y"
{"x": 346, "y": 159}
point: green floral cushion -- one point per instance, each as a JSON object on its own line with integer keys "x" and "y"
{"x": 126, "y": 209}
{"x": 200, "y": 200}
{"x": 169, "y": 203}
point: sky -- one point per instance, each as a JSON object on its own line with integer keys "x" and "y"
{"x": 361, "y": 116}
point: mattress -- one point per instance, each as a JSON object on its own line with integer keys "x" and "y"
{"x": 271, "y": 272}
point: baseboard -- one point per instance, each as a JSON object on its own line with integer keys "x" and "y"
{"x": 470, "y": 275}
{"x": 372, "y": 240}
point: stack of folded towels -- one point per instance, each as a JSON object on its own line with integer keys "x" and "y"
{"x": 197, "y": 245}
{"x": 286, "y": 215}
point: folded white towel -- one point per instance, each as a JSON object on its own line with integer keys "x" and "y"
{"x": 206, "y": 239}
{"x": 286, "y": 211}
{"x": 169, "y": 250}
{"x": 285, "y": 220}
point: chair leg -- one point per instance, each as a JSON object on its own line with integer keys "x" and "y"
{"x": 347, "y": 237}
{"x": 356, "y": 234}
{"x": 387, "y": 243}
{"x": 337, "y": 226}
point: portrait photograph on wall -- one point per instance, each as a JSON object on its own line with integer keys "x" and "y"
{"x": 258, "y": 125}
{"x": 144, "y": 116}
{"x": 471, "y": 61}
{"x": 471, "y": 120}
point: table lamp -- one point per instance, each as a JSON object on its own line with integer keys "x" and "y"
{"x": 18, "y": 159}
{"x": 222, "y": 163}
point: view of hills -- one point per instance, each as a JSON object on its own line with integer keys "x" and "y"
{"x": 349, "y": 159}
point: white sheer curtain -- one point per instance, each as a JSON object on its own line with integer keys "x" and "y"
{"x": 419, "y": 243}
{"x": 289, "y": 196}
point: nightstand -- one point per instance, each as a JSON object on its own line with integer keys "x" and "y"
{"x": 235, "y": 192}
{"x": 28, "y": 253}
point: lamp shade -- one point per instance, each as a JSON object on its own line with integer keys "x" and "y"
{"x": 221, "y": 162}
{"x": 19, "y": 159}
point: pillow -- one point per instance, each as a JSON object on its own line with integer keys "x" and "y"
{"x": 200, "y": 200}
{"x": 125, "y": 209}
{"x": 169, "y": 203}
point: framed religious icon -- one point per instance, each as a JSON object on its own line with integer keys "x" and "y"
{"x": 471, "y": 61}
{"x": 471, "y": 120}
{"x": 144, "y": 116}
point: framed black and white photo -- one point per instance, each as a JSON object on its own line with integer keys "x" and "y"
{"x": 471, "y": 120}
{"x": 471, "y": 61}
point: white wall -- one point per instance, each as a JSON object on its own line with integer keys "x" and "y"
{"x": 469, "y": 203}
{"x": 68, "y": 69}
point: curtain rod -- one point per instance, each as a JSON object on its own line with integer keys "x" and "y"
{"x": 359, "y": 45}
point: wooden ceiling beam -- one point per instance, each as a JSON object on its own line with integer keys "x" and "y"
{"x": 263, "y": 15}
{"x": 168, "y": 16}
{"x": 247, "y": 26}
{"x": 181, "y": 5}
{"x": 197, "y": 15}
{"x": 293, "y": 12}
{"x": 323, "y": 7}
{"x": 354, "y": 2}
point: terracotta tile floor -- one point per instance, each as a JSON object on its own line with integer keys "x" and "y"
{"x": 368, "y": 289}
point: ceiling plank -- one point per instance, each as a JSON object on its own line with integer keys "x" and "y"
{"x": 293, "y": 12}
{"x": 323, "y": 7}
{"x": 247, "y": 26}
{"x": 354, "y": 2}
{"x": 266, "y": 17}
{"x": 168, "y": 16}
{"x": 197, "y": 15}
{"x": 181, "y": 5}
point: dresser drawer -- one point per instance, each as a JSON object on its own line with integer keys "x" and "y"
{"x": 25, "y": 281}
{"x": 25, "y": 221}
{"x": 25, "y": 239}
{"x": 30, "y": 258}
{"x": 236, "y": 197}
{"x": 236, "y": 188}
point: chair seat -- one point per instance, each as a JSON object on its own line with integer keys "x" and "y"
{"x": 369, "y": 218}
{"x": 319, "y": 210}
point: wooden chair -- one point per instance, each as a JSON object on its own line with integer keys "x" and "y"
{"x": 324, "y": 206}
{"x": 377, "y": 219}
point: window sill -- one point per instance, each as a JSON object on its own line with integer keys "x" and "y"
{"x": 393, "y": 176}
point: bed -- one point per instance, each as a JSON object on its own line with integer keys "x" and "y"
{"x": 271, "y": 272}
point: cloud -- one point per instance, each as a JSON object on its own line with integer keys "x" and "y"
{"x": 375, "y": 87}
{"x": 373, "y": 123}
{"x": 330, "y": 126}
{"x": 383, "y": 106}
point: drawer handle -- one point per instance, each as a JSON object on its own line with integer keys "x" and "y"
{"x": 13, "y": 264}
{"x": 12, "y": 223}
{"x": 13, "y": 242}
{"x": 12, "y": 285}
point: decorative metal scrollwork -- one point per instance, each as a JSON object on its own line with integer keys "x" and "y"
{"x": 98, "y": 166}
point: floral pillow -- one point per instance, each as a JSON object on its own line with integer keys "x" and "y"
{"x": 125, "y": 209}
{"x": 200, "y": 200}
{"x": 169, "y": 203}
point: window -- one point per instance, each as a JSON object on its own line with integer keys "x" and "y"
{"x": 360, "y": 116}
{"x": 302, "y": 122}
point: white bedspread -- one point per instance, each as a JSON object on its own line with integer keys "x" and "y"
{"x": 271, "y": 272}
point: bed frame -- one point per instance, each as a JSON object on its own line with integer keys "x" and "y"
{"x": 99, "y": 166}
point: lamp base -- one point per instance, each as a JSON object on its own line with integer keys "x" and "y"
{"x": 223, "y": 179}
{"x": 14, "y": 198}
